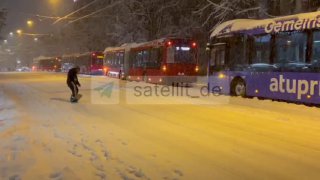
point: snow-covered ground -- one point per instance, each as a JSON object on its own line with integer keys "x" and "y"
{"x": 43, "y": 136}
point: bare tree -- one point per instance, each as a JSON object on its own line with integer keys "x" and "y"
{"x": 223, "y": 10}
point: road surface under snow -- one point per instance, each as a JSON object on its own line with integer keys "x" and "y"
{"x": 43, "y": 136}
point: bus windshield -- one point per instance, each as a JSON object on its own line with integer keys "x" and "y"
{"x": 97, "y": 60}
{"x": 182, "y": 54}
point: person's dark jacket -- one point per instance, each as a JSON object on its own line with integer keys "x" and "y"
{"x": 73, "y": 77}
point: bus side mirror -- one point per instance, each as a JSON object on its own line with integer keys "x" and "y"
{"x": 209, "y": 47}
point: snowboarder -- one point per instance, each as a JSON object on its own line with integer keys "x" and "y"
{"x": 73, "y": 83}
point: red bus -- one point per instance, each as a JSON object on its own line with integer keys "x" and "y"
{"x": 165, "y": 60}
{"x": 162, "y": 61}
{"x": 89, "y": 63}
{"x": 116, "y": 61}
{"x": 51, "y": 64}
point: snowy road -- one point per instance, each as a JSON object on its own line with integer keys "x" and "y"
{"x": 42, "y": 136}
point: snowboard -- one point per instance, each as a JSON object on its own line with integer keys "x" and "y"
{"x": 79, "y": 96}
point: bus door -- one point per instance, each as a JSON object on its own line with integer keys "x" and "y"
{"x": 218, "y": 79}
{"x": 217, "y": 58}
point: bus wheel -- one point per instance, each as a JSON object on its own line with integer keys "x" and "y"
{"x": 239, "y": 88}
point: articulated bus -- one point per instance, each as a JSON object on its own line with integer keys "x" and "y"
{"x": 116, "y": 61}
{"x": 160, "y": 61}
{"x": 89, "y": 63}
{"x": 50, "y": 64}
{"x": 276, "y": 58}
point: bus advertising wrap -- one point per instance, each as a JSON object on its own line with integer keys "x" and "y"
{"x": 292, "y": 25}
{"x": 291, "y": 86}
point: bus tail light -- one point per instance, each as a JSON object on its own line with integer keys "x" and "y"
{"x": 197, "y": 69}
{"x": 169, "y": 43}
{"x": 194, "y": 44}
{"x": 164, "y": 68}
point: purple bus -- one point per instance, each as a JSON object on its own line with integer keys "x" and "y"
{"x": 273, "y": 58}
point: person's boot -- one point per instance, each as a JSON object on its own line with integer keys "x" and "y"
{"x": 73, "y": 99}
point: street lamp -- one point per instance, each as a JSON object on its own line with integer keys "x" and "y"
{"x": 36, "y": 39}
{"x": 19, "y": 31}
{"x": 30, "y": 23}
{"x": 5, "y": 41}
{"x": 54, "y": 3}
{"x": 11, "y": 34}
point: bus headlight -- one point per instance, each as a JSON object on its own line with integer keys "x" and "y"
{"x": 222, "y": 76}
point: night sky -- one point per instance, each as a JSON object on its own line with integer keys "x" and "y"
{"x": 22, "y": 10}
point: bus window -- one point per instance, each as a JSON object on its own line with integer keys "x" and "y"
{"x": 132, "y": 59}
{"x": 184, "y": 54}
{"x": 155, "y": 58}
{"x": 97, "y": 60}
{"x": 218, "y": 57}
{"x": 146, "y": 56}
{"x": 261, "y": 49}
{"x": 139, "y": 59}
{"x": 316, "y": 51}
{"x": 291, "y": 49}
{"x": 121, "y": 56}
{"x": 237, "y": 60}
{"x": 170, "y": 55}
{"x": 109, "y": 59}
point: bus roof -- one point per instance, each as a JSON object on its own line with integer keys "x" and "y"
{"x": 80, "y": 54}
{"x": 297, "y": 22}
{"x": 42, "y": 58}
{"x": 122, "y": 47}
{"x": 155, "y": 43}
{"x": 160, "y": 42}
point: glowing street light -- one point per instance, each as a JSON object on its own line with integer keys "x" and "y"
{"x": 36, "y": 39}
{"x": 11, "y": 34}
{"x": 19, "y": 31}
{"x": 5, "y": 41}
{"x": 30, "y": 23}
{"x": 55, "y": 3}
